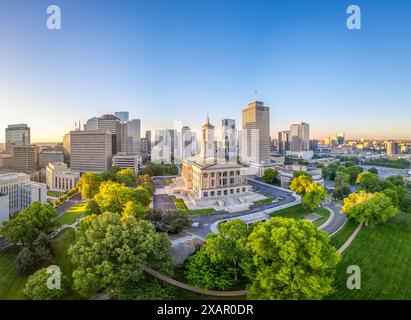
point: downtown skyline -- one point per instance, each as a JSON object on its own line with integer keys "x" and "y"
{"x": 175, "y": 63}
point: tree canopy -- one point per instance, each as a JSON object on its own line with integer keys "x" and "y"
{"x": 270, "y": 176}
{"x": 29, "y": 224}
{"x": 89, "y": 184}
{"x": 289, "y": 259}
{"x": 109, "y": 253}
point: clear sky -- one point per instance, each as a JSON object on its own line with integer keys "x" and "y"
{"x": 170, "y": 61}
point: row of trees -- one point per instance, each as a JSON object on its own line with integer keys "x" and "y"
{"x": 279, "y": 259}
{"x": 377, "y": 200}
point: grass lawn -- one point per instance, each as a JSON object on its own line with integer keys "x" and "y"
{"x": 180, "y": 204}
{"x": 345, "y": 232}
{"x": 12, "y": 284}
{"x": 54, "y": 194}
{"x": 72, "y": 214}
{"x": 298, "y": 212}
{"x": 263, "y": 201}
{"x": 384, "y": 255}
{"x": 169, "y": 181}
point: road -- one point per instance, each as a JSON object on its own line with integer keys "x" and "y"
{"x": 163, "y": 202}
{"x": 205, "y": 221}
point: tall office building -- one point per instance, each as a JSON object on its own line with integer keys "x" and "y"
{"x": 107, "y": 122}
{"x": 17, "y": 135}
{"x": 164, "y": 145}
{"x": 91, "y": 151}
{"x": 185, "y": 142}
{"x": 122, "y": 115}
{"x": 67, "y": 148}
{"x": 392, "y": 148}
{"x": 283, "y": 142}
{"x": 314, "y": 145}
{"x": 256, "y": 125}
{"x": 300, "y": 137}
{"x": 25, "y": 158}
{"x": 129, "y": 137}
{"x": 148, "y": 137}
{"x": 229, "y": 139}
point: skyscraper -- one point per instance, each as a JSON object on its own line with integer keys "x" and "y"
{"x": 300, "y": 137}
{"x": 148, "y": 137}
{"x": 25, "y": 158}
{"x": 185, "y": 142}
{"x": 207, "y": 140}
{"x": 129, "y": 137}
{"x": 122, "y": 115}
{"x": 392, "y": 148}
{"x": 256, "y": 124}
{"x": 283, "y": 141}
{"x": 91, "y": 151}
{"x": 107, "y": 122}
{"x": 229, "y": 139}
{"x": 17, "y": 135}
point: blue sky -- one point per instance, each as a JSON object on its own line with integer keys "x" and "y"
{"x": 174, "y": 61}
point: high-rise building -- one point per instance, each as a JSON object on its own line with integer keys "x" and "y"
{"x": 21, "y": 191}
{"x": 67, "y": 148}
{"x": 17, "y": 135}
{"x": 300, "y": 137}
{"x": 91, "y": 151}
{"x": 392, "y": 148}
{"x": 50, "y": 156}
{"x": 314, "y": 145}
{"x": 148, "y": 137}
{"x": 122, "y": 115}
{"x": 130, "y": 137}
{"x": 256, "y": 124}
{"x": 107, "y": 122}
{"x": 283, "y": 142}
{"x": 229, "y": 139}
{"x": 25, "y": 158}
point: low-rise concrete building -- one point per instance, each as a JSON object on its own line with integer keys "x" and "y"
{"x": 127, "y": 161}
{"x": 60, "y": 178}
{"x": 46, "y": 157}
{"x": 285, "y": 175}
{"x": 4, "y": 207}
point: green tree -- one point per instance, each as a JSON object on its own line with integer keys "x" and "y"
{"x": 92, "y": 207}
{"x": 373, "y": 170}
{"x": 127, "y": 177}
{"x": 299, "y": 184}
{"x": 227, "y": 246}
{"x": 289, "y": 259}
{"x": 396, "y": 180}
{"x": 171, "y": 221}
{"x": 270, "y": 176}
{"x": 36, "y": 287}
{"x": 110, "y": 175}
{"x": 300, "y": 173}
{"x": 314, "y": 195}
{"x": 135, "y": 210}
{"x": 114, "y": 196}
{"x": 370, "y": 208}
{"x": 348, "y": 164}
{"x": 368, "y": 182}
{"x": 29, "y": 224}
{"x": 26, "y": 262}
{"x": 108, "y": 253}
{"x": 143, "y": 196}
{"x": 202, "y": 272}
{"x": 148, "y": 288}
{"x": 342, "y": 179}
{"x": 353, "y": 172}
{"x": 89, "y": 185}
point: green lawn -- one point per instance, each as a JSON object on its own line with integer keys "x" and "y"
{"x": 169, "y": 181}
{"x": 180, "y": 204}
{"x": 12, "y": 284}
{"x": 298, "y": 212}
{"x": 54, "y": 194}
{"x": 263, "y": 201}
{"x": 345, "y": 232}
{"x": 384, "y": 255}
{"x": 72, "y": 214}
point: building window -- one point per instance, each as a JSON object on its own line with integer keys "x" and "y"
{"x": 224, "y": 174}
{"x": 231, "y": 191}
{"x": 225, "y": 192}
{"x": 205, "y": 175}
{"x": 231, "y": 173}
{"x": 238, "y": 173}
{"x": 238, "y": 190}
{"x": 205, "y": 194}
{"x": 231, "y": 180}
{"x": 243, "y": 189}
{"x": 212, "y": 175}
{"x": 212, "y": 193}
{"x": 218, "y": 193}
